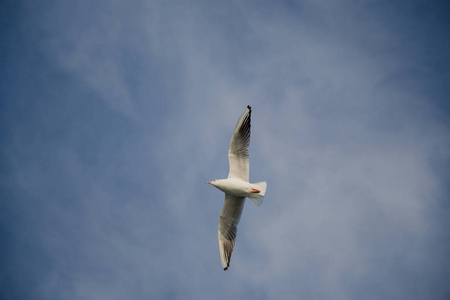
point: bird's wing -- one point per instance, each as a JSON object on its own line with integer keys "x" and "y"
{"x": 238, "y": 152}
{"x": 228, "y": 221}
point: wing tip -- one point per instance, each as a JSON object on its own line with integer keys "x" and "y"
{"x": 249, "y": 107}
{"x": 225, "y": 250}
{"x": 228, "y": 263}
{"x": 227, "y": 260}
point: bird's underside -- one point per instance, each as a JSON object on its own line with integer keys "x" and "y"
{"x": 236, "y": 188}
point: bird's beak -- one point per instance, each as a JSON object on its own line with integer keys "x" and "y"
{"x": 208, "y": 182}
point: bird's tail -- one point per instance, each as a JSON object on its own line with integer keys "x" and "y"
{"x": 257, "y": 198}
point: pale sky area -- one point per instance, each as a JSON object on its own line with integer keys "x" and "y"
{"x": 113, "y": 114}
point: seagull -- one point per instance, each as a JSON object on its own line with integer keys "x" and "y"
{"x": 236, "y": 187}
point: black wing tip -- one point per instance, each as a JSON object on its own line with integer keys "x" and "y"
{"x": 249, "y": 107}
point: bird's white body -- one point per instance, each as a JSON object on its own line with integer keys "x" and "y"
{"x": 236, "y": 188}
{"x": 239, "y": 188}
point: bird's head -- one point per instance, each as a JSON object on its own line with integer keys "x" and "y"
{"x": 214, "y": 182}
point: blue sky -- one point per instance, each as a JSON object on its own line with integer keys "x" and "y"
{"x": 114, "y": 113}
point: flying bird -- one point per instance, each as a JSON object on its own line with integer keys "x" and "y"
{"x": 236, "y": 187}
